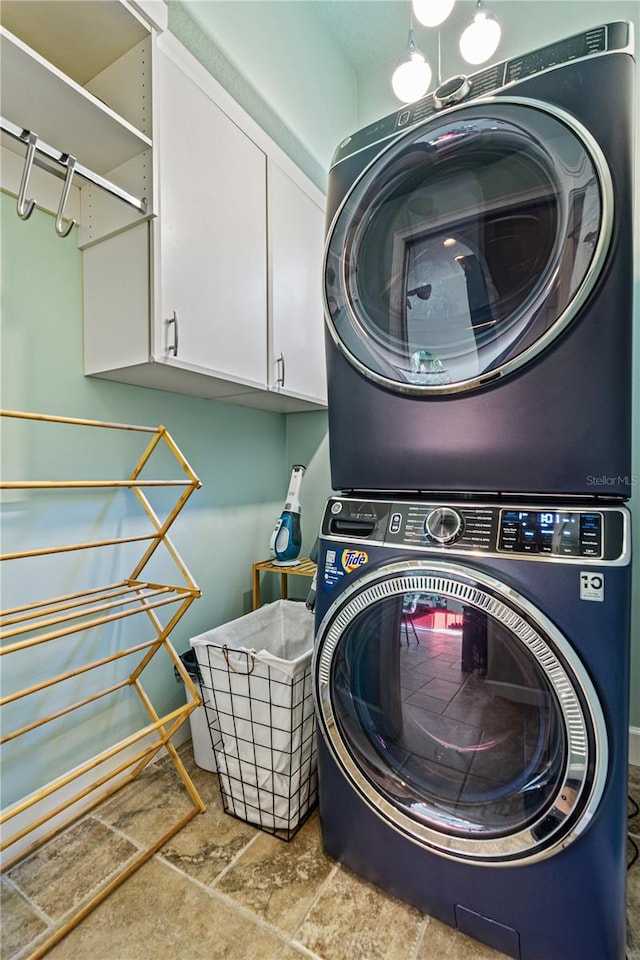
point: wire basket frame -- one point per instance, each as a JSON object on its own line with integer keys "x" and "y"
{"x": 262, "y": 726}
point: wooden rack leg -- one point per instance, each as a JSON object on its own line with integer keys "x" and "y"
{"x": 255, "y": 600}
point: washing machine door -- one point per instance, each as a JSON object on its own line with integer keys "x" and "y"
{"x": 459, "y": 713}
{"x": 468, "y": 246}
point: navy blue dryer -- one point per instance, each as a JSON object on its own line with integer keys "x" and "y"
{"x": 478, "y": 281}
{"x": 471, "y": 678}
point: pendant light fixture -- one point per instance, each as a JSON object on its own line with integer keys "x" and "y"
{"x": 481, "y": 38}
{"x": 431, "y": 13}
{"x": 412, "y": 76}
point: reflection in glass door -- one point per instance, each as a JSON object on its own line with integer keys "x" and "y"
{"x": 467, "y": 246}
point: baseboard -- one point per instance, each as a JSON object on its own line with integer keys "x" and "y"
{"x": 634, "y": 746}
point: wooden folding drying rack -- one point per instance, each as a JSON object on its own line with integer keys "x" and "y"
{"x": 46, "y": 621}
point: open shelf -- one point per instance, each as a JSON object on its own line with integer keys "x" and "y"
{"x": 40, "y": 98}
{"x": 80, "y": 37}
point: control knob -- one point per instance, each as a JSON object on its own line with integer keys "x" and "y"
{"x": 451, "y": 91}
{"x": 444, "y": 525}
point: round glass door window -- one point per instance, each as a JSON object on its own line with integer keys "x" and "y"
{"x": 467, "y": 246}
{"x": 462, "y": 720}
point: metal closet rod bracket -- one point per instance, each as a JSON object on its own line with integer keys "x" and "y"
{"x": 73, "y": 168}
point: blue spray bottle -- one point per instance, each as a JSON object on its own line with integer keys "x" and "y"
{"x": 286, "y": 538}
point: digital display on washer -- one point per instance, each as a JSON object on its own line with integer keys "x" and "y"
{"x": 564, "y": 533}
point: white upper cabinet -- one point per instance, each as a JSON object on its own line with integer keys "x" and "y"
{"x": 232, "y": 309}
{"x": 212, "y": 230}
{"x": 296, "y": 241}
{"x": 202, "y": 242}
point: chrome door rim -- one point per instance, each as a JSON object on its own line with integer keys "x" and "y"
{"x": 509, "y": 607}
{"x": 605, "y": 184}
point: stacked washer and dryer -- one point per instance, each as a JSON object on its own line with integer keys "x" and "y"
{"x": 473, "y": 592}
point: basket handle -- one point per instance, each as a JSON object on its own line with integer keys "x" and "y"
{"x": 225, "y": 652}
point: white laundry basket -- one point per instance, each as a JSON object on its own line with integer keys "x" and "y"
{"x": 256, "y": 682}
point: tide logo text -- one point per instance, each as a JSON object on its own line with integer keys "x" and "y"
{"x": 352, "y": 559}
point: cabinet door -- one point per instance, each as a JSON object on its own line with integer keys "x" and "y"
{"x": 296, "y": 243}
{"x": 212, "y": 234}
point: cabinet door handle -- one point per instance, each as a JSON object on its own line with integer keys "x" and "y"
{"x": 281, "y": 371}
{"x": 173, "y": 347}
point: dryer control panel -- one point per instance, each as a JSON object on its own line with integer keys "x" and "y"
{"x": 519, "y": 530}
{"x": 593, "y": 42}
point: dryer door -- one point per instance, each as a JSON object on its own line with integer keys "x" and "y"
{"x": 467, "y": 246}
{"x": 459, "y": 713}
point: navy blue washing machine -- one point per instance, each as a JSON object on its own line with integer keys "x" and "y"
{"x": 478, "y": 282}
{"x": 471, "y": 677}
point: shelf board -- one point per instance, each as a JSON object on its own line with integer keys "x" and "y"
{"x": 38, "y": 97}
{"x": 80, "y": 37}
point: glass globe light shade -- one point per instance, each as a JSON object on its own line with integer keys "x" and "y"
{"x": 481, "y": 38}
{"x": 411, "y": 78}
{"x": 431, "y": 13}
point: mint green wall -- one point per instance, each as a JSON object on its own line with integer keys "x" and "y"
{"x": 279, "y": 63}
{"x": 308, "y": 443}
{"x": 238, "y": 453}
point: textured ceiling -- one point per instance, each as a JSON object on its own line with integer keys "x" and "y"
{"x": 368, "y": 32}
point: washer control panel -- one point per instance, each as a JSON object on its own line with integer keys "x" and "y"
{"x": 525, "y": 531}
{"x": 593, "y": 42}
{"x": 466, "y": 528}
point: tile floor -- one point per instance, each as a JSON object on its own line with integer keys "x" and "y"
{"x": 220, "y": 890}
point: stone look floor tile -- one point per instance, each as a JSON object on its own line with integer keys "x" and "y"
{"x": 290, "y": 953}
{"x": 441, "y": 942}
{"x": 148, "y": 807}
{"x": 62, "y": 874}
{"x": 208, "y": 844}
{"x": 158, "y": 914}
{"x": 164, "y": 911}
{"x": 212, "y": 840}
{"x": 20, "y": 925}
{"x": 205, "y": 782}
{"x": 353, "y": 920}
{"x": 277, "y": 880}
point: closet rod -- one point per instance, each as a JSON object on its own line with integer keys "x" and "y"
{"x": 18, "y": 133}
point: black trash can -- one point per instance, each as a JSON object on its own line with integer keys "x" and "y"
{"x": 201, "y": 739}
